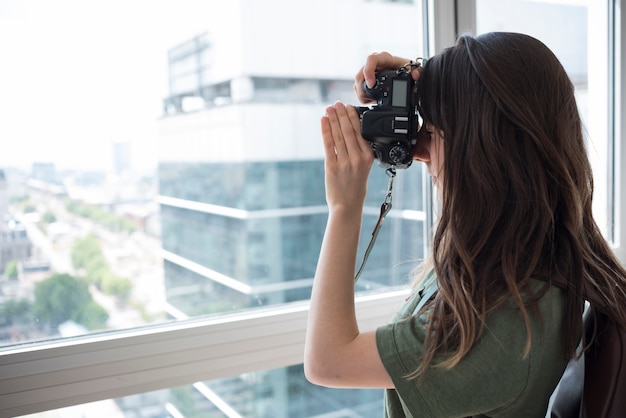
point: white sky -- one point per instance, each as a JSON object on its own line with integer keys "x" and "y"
{"x": 77, "y": 76}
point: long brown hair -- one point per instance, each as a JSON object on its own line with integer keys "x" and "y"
{"x": 517, "y": 191}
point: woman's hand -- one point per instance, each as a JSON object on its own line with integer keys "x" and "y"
{"x": 337, "y": 354}
{"x": 349, "y": 159}
{"x": 376, "y": 62}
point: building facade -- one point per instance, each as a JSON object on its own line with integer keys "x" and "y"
{"x": 241, "y": 190}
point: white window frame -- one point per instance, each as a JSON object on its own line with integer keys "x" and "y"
{"x": 58, "y": 373}
{"x": 54, "y": 374}
{"x": 619, "y": 240}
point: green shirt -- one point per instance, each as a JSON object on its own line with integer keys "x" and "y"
{"x": 493, "y": 379}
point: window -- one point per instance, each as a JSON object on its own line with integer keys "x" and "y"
{"x": 221, "y": 147}
{"x": 167, "y": 169}
{"x": 205, "y": 175}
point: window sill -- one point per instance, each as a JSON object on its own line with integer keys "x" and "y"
{"x": 43, "y": 376}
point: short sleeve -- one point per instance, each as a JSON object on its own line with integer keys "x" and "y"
{"x": 494, "y": 378}
{"x": 492, "y": 374}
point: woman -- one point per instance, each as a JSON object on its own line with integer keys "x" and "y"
{"x": 503, "y": 143}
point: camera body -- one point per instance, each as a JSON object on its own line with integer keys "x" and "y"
{"x": 391, "y": 125}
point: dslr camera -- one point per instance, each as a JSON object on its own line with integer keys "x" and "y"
{"x": 391, "y": 125}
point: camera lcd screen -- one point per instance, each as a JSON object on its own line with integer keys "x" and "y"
{"x": 398, "y": 98}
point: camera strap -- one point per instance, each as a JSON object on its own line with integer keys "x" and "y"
{"x": 384, "y": 209}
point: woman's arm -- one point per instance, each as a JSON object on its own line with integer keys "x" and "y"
{"x": 336, "y": 353}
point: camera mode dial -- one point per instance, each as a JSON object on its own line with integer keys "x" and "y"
{"x": 378, "y": 90}
{"x": 398, "y": 154}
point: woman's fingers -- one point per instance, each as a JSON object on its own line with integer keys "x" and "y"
{"x": 349, "y": 158}
{"x": 374, "y": 62}
{"x": 343, "y": 144}
{"x": 336, "y": 130}
{"x": 327, "y": 138}
{"x": 355, "y": 122}
{"x": 349, "y": 136}
{"x": 343, "y": 131}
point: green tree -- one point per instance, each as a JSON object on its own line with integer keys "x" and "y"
{"x": 19, "y": 199}
{"x": 107, "y": 218}
{"x": 15, "y": 311}
{"x": 91, "y": 315}
{"x": 10, "y": 271}
{"x": 49, "y": 217}
{"x": 115, "y": 285}
{"x": 96, "y": 271}
{"x": 23, "y": 203}
{"x": 59, "y": 298}
{"x": 87, "y": 255}
{"x": 85, "y": 251}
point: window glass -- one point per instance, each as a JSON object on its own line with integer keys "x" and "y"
{"x": 266, "y": 394}
{"x": 174, "y": 168}
{"x": 165, "y": 162}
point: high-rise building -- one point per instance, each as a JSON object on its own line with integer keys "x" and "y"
{"x": 14, "y": 243}
{"x": 45, "y": 171}
{"x": 121, "y": 157}
{"x": 241, "y": 182}
{"x": 4, "y": 196}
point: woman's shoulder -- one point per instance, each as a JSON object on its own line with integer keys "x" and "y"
{"x": 544, "y": 303}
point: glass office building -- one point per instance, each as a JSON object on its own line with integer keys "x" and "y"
{"x": 243, "y": 212}
{"x": 260, "y": 248}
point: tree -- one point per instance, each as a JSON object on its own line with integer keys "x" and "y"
{"x": 115, "y": 285}
{"x": 96, "y": 270}
{"x": 106, "y": 218}
{"x": 15, "y": 311}
{"x": 85, "y": 251}
{"x": 87, "y": 255}
{"x": 59, "y": 298}
{"x": 91, "y": 315}
{"x": 10, "y": 271}
{"x": 49, "y": 217}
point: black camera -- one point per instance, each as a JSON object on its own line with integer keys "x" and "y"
{"x": 391, "y": 125}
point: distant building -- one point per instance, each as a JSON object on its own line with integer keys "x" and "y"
{"x": 121, "y": 157}
{"x": 4, "y": 196}
{"x": 45, "y": 172}
{"x": 14, "y": 244}
{"x": 241, "y": 182}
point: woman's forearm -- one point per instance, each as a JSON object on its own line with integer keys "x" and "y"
{"x": 332, "y": 320}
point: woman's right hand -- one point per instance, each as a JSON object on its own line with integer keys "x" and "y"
{"x": 376, "y": 62}
{"x": 348, "y": 160}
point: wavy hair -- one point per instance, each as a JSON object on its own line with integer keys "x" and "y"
{"x": 517, "y": 192}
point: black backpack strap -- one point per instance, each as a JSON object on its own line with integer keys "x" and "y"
{"x": 567, "y": 399}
